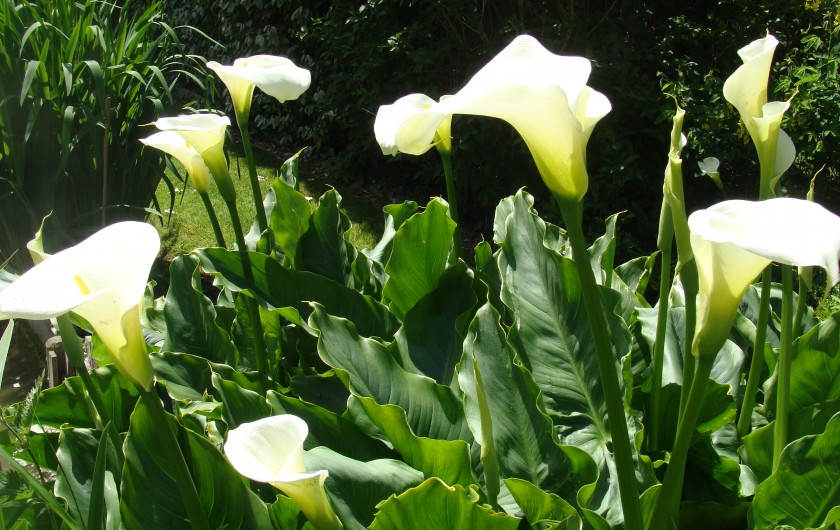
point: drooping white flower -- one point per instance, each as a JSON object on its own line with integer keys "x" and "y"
{"x": 271, "y": 450}
{"x": 746, "y": 89}
{"x": 277, "y": 76}
{"x": 542, "y": 95}
{"x": 205, "y": 132}
{"x": 102, "y": 279}
{"x": 176, "y": 145}
{"x": 733, "y": 241}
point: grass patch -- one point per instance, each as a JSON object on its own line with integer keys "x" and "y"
{"x": 185, "y": 225}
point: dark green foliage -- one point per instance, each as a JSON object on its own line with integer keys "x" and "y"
{"x": 79, "y": 82}
{"x": 366, "y": 54}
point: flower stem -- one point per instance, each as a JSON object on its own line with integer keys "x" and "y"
{"x": 691, "y": 286}
{"x": 659, "y": 349}
{"x": 75, "y": 354}
{"x": 250, "y": 303}
{"x": 628, "y": 488}
{"x": 452, "y": 199}
{"x": 175, "y": 456}
{"x": 667, "y": 505}
{"x": 780, "y": 431}
{"x": 214, "y": 221}
{"x": 262, "y": 222}
{"x": 801, "y": 303}
{"x": 757, "y": 362}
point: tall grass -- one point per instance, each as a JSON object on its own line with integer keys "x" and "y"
{"x": 78, "y": 80}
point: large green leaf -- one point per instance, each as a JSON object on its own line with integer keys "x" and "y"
{"x": 815, "y": 368}
{"x": 522, "y": 432}
{"x": 418, "y": 257}
{"x": 191, "y": 318}
{"x": 433, "y": 504}
{"x": 543, "y": 510}
{"x": 328, "y": 429}
{"x": 804, "y": 492}
{"x": 728, "y": 364}
{"x": 290, "y": 216}
{"x": 150, "y": 497}
{"x": 553, "y": 339}
{"x": 84, "y": 480}
{"x": 433, "y": 410}
{"x": 431, "y": 337}
{"x": 449, "y": 460}
{"x": 279, "y": 287}
{"x": 395, "y": 216}
{"x": 356, "y": 488}
{"x": 324, "y": 249}
{"x": 68, "y": 403}
{"x": 758, "y": 445}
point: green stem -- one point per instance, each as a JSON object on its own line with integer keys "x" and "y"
{"x": 801, "y": 303}
{"x": 250, "y": 303}
{"x": 667, "y": 505}
{"x": 659, "y": 350}
{"x": 757, "y": 362}
{"x": 262, "y": 222}
{"x": 214, "y": 221}
{"x": 691, "y": 286}
{"x": 175, "y": 456}
{"x": 452, "y": 199}
{"x": 780, "y": 431}
{"x": 628, "y": 488}
{"x": 75, "y": 354}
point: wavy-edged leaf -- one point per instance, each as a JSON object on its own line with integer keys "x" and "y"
{"x": 356, "y": 488}
{"x": 150, "y": 497}
{"x": 191, "y": 318}
{"x": 418, "y": 257}
{"x": 541, "y": 509}
{"x": 552, "y": 336}
{"x": 433, "y": 410}
{"x": 433, "y": 504}
{"x": 324, "y": 248}
{"x": 805, "y": 489}
{"x": 431, "y": 338}
{"x": 278, "y": 287}
{"x": 523, "y": 435}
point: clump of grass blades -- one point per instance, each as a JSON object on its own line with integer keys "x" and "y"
{"x": 78, "y": 80}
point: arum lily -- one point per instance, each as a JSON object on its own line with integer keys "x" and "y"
{"x": 205, "y": 133}
{"x": 711, "y": 166}
{"x": 276, "y": 76}
{"x": 746, "y": 89}
{"x": 102, "y": 279}
{"x": 542, "y": 95}
{"x": 734, "y": 241}
{"x": 176, "y": 145}
{"x": 390, "y": 118}
{"x": 271, "y": 450}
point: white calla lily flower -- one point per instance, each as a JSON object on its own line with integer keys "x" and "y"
{"x": 176, "y": 145}
{"x": 271, "y": 450}
{"x": 733, "y": 241}
{"x": 277, "y": 76}
{"x": 542, "y": 95}
{"x": 746, "y": 89}
{"x": 102, "y": 279}
{"x": 205, "y": 132}
{"x": 711, "y": 166}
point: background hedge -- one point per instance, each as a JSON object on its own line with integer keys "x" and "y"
{"x": 367, "y": 53}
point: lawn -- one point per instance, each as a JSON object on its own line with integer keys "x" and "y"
{"x": 183, "y": 225}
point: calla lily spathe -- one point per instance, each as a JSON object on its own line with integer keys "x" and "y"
{"x": 271, "y": 450}
{"x": 390, "y": 118}
{"x": 746, "y": 89}
{"x": 542, "y": 95}
{"x": 174, "y": 144}
{"x": 733, "y": 241}
{"x": 102, "y": 279}
{"x": 277, "y": 76}
{"x": 205, "y": 132}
